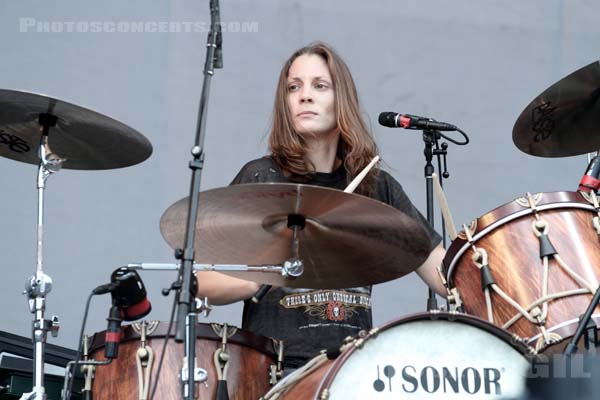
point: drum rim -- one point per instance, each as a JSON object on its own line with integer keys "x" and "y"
{"x": 565, "y": 329}
{"x": 514, "y": 341}
{"x": 506, "y": 213}
{"x": 203, "y": 331}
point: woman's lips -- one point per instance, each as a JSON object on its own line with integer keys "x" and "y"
{"x": 306, "y": 113}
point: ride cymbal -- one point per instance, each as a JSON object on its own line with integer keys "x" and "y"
{"x": 348, "y": 240}
{"x": 565, "y": 119}
{"x": 86, "y": 139}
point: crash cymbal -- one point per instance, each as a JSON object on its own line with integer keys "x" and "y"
{"x": 565, "y": 119}
{"x": 86, "y": 139}
{"x": 348, "y": 240}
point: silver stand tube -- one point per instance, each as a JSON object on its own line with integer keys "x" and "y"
{"x": 39, "y": 285}
{"x": 277, "y": 269}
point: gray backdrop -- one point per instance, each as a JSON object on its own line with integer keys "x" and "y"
{"x": 472, "y": 63}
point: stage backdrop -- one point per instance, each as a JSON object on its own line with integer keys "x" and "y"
{"x": 471, "y": 63}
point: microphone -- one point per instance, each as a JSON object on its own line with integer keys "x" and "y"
{"x": 129, "y": 302}
{"x": 129, "y": 294}
{"x": 113, "y": 333}
{"x": 407, "y": 121}
{"x": 261, "y": 292}
{"x": 590, "y": 179}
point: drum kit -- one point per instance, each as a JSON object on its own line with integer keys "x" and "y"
{"x": 518, "y": 277}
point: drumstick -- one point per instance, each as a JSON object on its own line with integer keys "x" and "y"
{"x": 356, "y": 181}
{"x": 439, "y": 193}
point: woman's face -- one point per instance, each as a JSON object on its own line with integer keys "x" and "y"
{"x": 311, "y": 96}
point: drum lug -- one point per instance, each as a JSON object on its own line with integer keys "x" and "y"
{"x": 276, "y": 371}
{"x": 464, "y": 234}
{"x": 454, "y": 298}
{"x": 529, "y": 201}
{"x": 224, "y": 332}
{"x": 89, "y": 371}
{"x": 275, "y": 374}
{"x": 149, "y": 326}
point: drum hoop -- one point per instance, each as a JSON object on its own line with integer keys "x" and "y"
{"x": 203, "y": 331}
{"x": 563, "y": 330}
{"x": 455, "y": 252}
{"x": 471, "y": 320}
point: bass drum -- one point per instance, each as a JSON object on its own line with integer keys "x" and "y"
{"x": 423, "y": 356}
{"x": 250, "y": 366}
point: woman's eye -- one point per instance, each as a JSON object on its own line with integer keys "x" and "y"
{"x": 320, "y": 86}
{"x": 293, "y": 87}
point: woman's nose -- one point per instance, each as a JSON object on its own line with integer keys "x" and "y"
{"x": 306, "y": 96}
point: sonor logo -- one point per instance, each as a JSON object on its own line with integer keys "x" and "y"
{"x": 14, "y": 143}
{"x": 446, "y": 380}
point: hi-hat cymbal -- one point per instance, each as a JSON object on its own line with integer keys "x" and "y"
{"x": 86, "y": 139}
{"x": 565, "y": 119}
{"x": 348, "y": 240}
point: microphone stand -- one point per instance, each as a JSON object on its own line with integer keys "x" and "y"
{"x": 430, "y": 137}
{"x": 584, "y": 325}
{"x": 186, "y": 311}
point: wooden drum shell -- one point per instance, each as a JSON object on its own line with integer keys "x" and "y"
{"x": 250, "y": 357}
{"x": 514, "y": 259}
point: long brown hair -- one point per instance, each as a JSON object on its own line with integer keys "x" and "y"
{"x": 356, "y": 147}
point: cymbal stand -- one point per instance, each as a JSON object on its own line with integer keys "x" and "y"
{"x": 39, "y": 285}
{"x": 186, "y": 308}
{"x": 294, "y": 267}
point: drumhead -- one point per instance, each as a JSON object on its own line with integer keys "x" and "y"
{"x": 431, "y": 356}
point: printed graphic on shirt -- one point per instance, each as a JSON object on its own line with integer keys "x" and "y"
{"x": 328, "y": 305}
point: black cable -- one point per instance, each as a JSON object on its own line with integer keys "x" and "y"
{"x": 455, "y": 141}
{"x": 164, "y": 349}
{"x": 79, "y": 349}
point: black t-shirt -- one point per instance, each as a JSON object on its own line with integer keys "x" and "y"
{"x": 309, "y": 320}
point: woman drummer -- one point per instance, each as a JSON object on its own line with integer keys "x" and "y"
{"x": 319, "y": 138}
